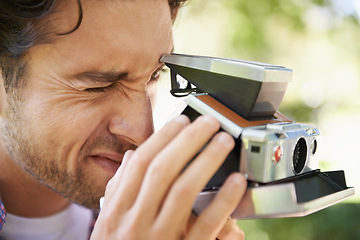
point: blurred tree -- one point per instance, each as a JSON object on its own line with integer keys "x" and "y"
{"x": 320, "y": 41}
{"x": 255, "y": 22}
{"x": 335, "y": 223}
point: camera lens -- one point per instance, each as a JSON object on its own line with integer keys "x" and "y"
{"x": 299, "y": 156}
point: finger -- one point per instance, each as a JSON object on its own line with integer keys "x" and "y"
{"x": 116, "y": 179}
{"x": 171, "y": 161}
{"x": 186, "y": 188}
{"x": 128, "y": 181}
{"x": 213, "y": 218}
{"x": 191, "y": 221}
{"x": 231, "y": 231}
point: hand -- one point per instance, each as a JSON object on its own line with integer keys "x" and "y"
{"x": 230, "y": 230}
{"x": 151, "y": 197}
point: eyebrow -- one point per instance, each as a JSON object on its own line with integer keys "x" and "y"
{"x": 106, "y": 76}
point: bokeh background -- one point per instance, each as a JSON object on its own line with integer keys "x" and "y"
{"x": 320, "y": 41}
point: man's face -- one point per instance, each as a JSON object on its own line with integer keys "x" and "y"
{"x": 85, "y": 101}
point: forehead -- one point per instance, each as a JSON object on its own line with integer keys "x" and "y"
{"x": 113, "y": 34}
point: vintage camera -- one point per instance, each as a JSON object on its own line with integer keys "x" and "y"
{"x": 277, "y": 155}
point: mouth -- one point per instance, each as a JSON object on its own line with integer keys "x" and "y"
{"x": 108, "y": 161}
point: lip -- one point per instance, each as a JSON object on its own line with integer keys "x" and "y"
{"x": 108, "y": 161}
{"x": 116, "y": 157}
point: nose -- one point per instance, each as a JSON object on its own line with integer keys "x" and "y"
{"x": 132, "y": 118}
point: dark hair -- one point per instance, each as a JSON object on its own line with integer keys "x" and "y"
{"x": 20, "y": 30}
{"x": 174, "y": 7}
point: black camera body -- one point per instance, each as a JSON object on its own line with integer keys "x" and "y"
{"x": 276, "y": 154}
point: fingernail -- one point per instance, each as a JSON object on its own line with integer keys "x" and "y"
{"x": 238, "y": 178}
{"x": 209, "y": 119}
{"x": 182, "y": 119}
{"x": 226, "y": 139}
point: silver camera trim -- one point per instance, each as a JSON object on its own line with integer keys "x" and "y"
{"x": 262, "y": 72}
{"x": 265, "y": 171}
{"x": 255, "y": 90}
{"x": 274, "y": 201}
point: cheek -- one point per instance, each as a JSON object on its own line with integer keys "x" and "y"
{"x": 72, "y": 119}
{"x": 60, "y": 121}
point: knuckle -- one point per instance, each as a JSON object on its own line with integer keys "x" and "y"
{"x": 158, "y": 233}
{"x": 231, "y": 231}
{"x": 209, "y": 223}
{"x": 137, "y": 157}
{"x": 110, "y": 185}
{"x": 105, "y": 222}
{"x": 183, "y": 190}
{"x": 157, "y": 167}
{"x": 139, "y": 161}
{"x": 130, "y": 233}
{"x": 241, "y": 235}
{"x": 158, "y": 172}
{"x": 131, "y": 229}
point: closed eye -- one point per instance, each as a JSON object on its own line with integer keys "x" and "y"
{"x": 112, "y": 79}
{"x": 101, "y": 89}
{"x": 101, "y": 81}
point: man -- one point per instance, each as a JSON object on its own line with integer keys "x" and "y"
{"x": 75, "y": 112}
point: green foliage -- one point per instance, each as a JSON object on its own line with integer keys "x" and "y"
{"x": 298, "y": 112}
{"x": 337, "y": 222}
{"x": 254, "y": 23}
{"x": 320, "y": 41}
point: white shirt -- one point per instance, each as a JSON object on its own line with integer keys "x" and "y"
{"x": 73, "y": 223}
